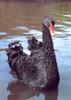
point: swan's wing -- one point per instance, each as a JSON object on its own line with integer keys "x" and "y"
{"x": 34, "y": 44}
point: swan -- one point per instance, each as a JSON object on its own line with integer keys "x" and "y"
{"x": 39, "y": 69}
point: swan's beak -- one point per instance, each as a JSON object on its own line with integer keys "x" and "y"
{"x": 51, "y": 28}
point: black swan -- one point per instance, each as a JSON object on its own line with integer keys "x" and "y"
{"x": 39, "y": 69}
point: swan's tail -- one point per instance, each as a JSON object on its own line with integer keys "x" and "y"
{"x": 14, "y": 50}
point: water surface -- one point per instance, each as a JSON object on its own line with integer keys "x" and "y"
{"x": 20, "y": 21}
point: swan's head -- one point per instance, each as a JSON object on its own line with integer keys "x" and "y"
{"x": 49, "y": 22}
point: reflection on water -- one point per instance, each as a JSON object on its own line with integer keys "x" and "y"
{"x": 20, "y": 21}
{"x": 21, "y": 92}
{"x": 3, "y": 33}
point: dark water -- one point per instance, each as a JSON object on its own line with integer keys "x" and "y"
{"x": 20, "y": 21}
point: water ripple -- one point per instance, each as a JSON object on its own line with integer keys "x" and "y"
{"x": 3, "y": 33}
{"x": 69, "y": 16}
{"x": 66, "y": 22}
{"x": 20, "y": 28}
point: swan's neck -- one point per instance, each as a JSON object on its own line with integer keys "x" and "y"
{"x": 47, "y": 39}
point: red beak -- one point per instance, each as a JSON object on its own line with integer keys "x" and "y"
{"x": 51, "y": 28}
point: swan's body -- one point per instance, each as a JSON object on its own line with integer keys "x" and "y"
{"x": 40, "y": 68}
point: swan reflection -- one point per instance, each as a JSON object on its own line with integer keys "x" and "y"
{"x": 19, "y": 91}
